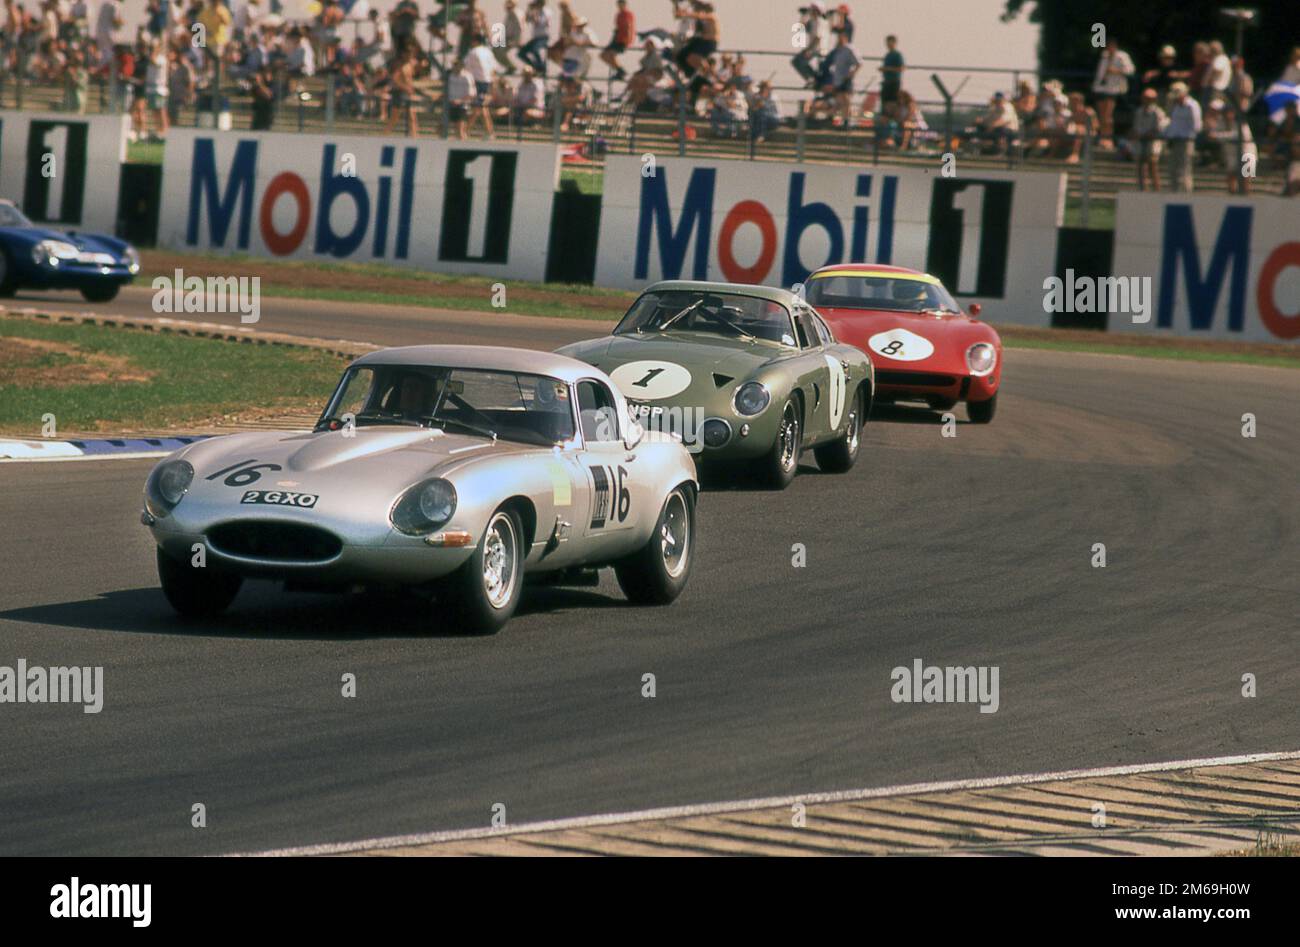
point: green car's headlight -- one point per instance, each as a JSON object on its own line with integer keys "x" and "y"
{"x": 167, "y": 486}
{"x": 424, "y": 507}
{"x": 752, "y": 398}
{"x": 131, "y": 258}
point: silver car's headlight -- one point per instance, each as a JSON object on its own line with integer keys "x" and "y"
{"x": 751, "y": 399}
{"x": 424, "y": 507}
{"x": 50, "y": 252}
{"x": 167, "y": 486}
{"x": 132, "y": 259}
{"x": 981, "y": 358}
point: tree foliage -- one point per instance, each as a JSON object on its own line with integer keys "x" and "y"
{"x": 1065, "y": 47}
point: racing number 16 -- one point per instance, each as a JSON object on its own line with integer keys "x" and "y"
{"x": 243, "y": 473}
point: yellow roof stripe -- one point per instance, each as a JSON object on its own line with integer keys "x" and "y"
{"x": 885, "y": 274}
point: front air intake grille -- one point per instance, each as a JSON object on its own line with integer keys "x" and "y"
{"x": 917, "y": 379}
{"x": 275, "y": 542}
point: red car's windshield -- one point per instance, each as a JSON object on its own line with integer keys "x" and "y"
{"x": 893, "y": 293}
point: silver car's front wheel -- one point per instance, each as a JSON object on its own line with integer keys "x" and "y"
{"x": 500, "y": 560}
{"x": 484, "y": 592}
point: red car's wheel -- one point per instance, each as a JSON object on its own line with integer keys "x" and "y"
{"x": 981, "y": 412}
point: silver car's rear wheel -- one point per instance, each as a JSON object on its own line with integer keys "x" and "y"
{"x": 675, "y": 535}
{"x": 657, "y": 572}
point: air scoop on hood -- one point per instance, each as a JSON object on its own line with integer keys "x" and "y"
{"x": 326, "y": 449}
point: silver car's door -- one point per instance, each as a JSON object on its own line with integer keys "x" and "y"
{"x": 619, "y": 491}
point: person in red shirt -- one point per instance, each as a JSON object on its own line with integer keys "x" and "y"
{"x": 624, "y": 38}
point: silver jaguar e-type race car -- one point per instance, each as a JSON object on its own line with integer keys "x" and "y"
{"x": 449, "y": 468}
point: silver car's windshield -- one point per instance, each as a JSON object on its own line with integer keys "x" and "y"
{"x": 11, "y": 216}
{"x": 531, "y": 409}
{"x": 896, "y": 294}
{"x": 732, "y": 314}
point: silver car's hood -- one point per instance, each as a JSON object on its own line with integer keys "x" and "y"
{"x": 383, "y": 457}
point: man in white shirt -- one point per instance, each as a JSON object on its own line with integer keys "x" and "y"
{"x": 1108, "y": 86}
{"x": 482, "y": 67}
{"x": 1184, "y": 125}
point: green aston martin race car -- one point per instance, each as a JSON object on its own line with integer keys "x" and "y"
{"x": 738, "y": 372}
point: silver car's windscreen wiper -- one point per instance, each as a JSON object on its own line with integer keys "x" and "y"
{"x": 472, "y": 428}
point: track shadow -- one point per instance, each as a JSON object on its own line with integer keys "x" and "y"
{"x": 910, "y": 414}
{"x": 268, "y": 613}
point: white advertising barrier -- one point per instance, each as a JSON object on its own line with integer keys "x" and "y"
{"x": 989, "y": 235}
{"x": 61, "y": 169}
{"x": 1220, "y": 267}
{"x": 455, "y": 207}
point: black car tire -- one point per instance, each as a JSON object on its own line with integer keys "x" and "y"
{"x": 981, "y": 412}
{"x": 658, "y": 572}
{"x": 778, "y": 467}
{"x": 840, "y": 455}
{"x": 8, "y": 277}
{"x": 196, "y": 593}
{"x": 100, "y": 294}
{"x": 479, "y": 602}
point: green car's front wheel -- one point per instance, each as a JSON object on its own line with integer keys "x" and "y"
{"x": 840, "y": 455}
{"x": 779, "y": 465}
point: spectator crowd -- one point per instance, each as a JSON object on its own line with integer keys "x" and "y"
{"x": 403, "y": 67}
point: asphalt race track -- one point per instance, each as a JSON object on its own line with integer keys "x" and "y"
{"x": 771, "y": 680}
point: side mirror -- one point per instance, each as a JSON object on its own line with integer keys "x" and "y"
{"x": 635, "y": 434}
{"x": 976, "y": 309}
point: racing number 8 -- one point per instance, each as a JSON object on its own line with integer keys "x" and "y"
{"x": 893, "y": 348}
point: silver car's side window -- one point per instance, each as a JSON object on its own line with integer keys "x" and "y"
{"x": 598, "y": 413}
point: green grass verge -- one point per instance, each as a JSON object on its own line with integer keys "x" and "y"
{"x": 1153, "y": 351}
{"x": 191, "y": 378}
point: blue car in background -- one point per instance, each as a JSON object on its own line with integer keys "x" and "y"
{"x": 32, "y": 257}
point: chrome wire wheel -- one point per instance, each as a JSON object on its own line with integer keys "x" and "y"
{"x": 854, "y": 432}
{"x": 675, "y": 534}
{"x": 788, "y": 436}
{"x": 500, "y": 558}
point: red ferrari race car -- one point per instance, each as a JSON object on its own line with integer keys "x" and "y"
{"x": 923, "y": 347}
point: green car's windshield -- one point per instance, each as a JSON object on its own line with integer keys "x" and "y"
{"x": 893, "y": 293}
{"x": 532, "y": 409}
{"x": 732, "y": 314}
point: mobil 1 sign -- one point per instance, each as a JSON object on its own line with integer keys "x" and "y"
{"x": 47, "y": 161}
{"x": 1222, "y": 267}
{"x": 989, "y": 235}
{"x": 447, "y": 206}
